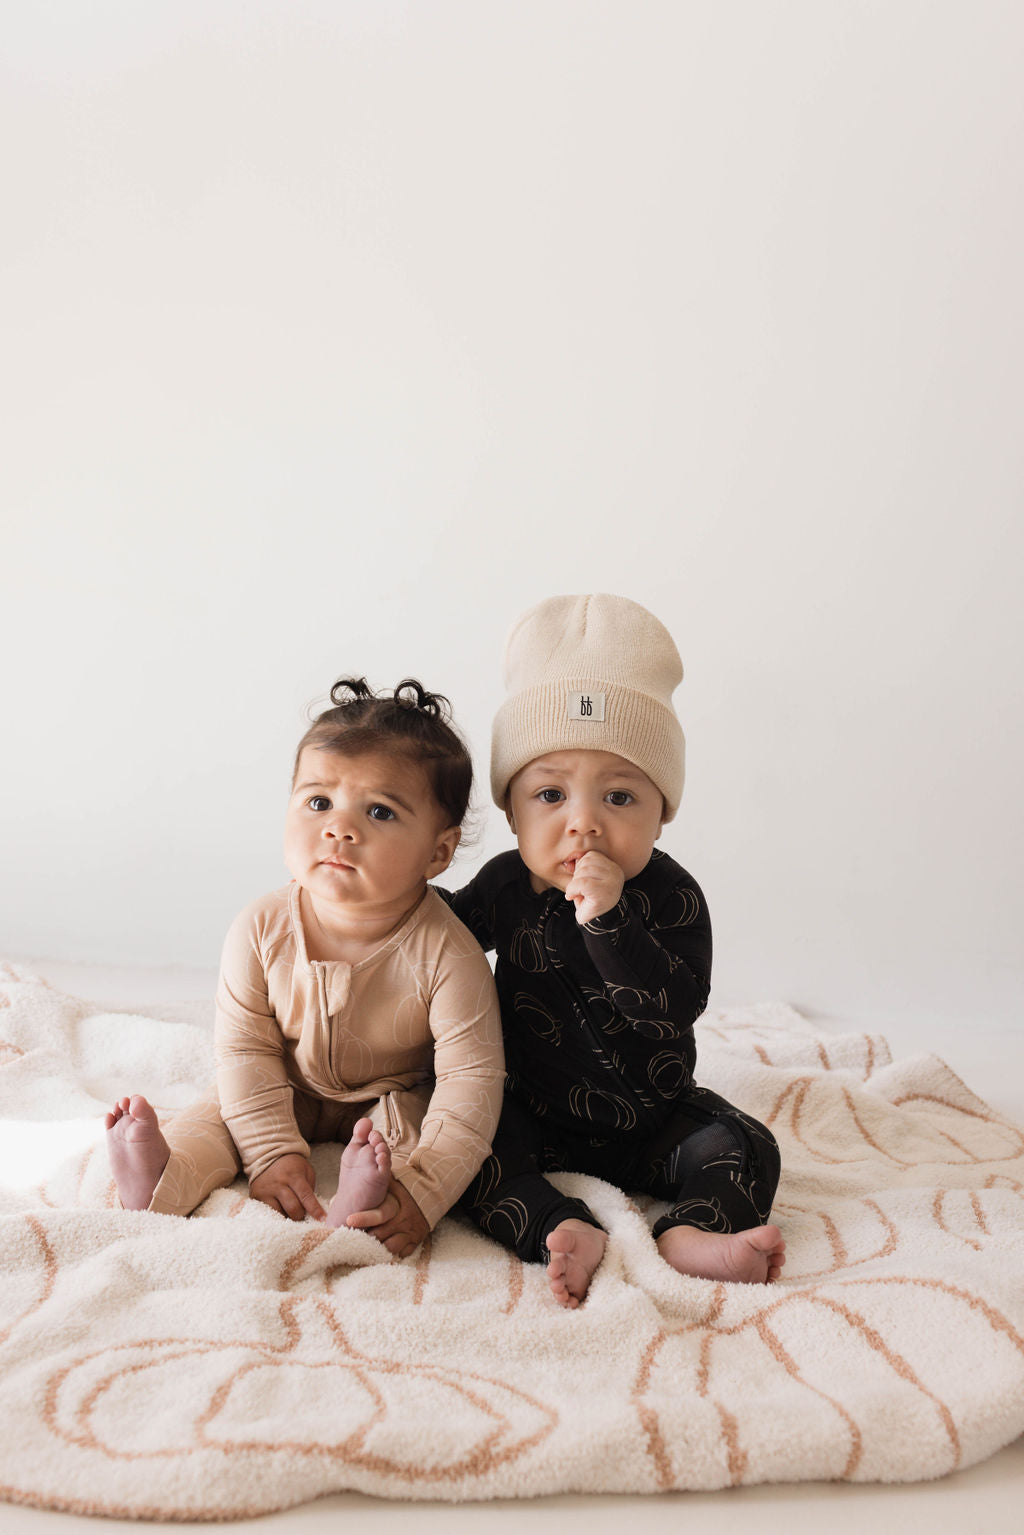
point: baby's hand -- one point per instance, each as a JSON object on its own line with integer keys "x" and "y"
{"x": 287, "y": 1185}
{"x": 401, "y": 1233}
{"x": 595, "y": 886}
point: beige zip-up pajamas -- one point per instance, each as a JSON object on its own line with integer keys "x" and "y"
{"x": 410, "y": 1037}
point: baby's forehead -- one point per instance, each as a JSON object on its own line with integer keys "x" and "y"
{"x": 320, "y": 766}
{"x": 584, "y": 761}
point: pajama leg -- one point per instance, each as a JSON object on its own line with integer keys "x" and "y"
{"x": 203, "y": 1158}
{"x": 720, "y": 1173}
{"x": 510, "y": 1199}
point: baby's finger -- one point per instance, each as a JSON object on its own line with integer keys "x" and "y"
{"x": 389, "y": 1229}
{"x": 291, "y": 1205}
{"x": 311, "y": 1204}
{"x": 400, "y": 1246}
{"x": 362, "y": 1220}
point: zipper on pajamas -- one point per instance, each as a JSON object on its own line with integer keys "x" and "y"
{"x": 323, "y": 1042}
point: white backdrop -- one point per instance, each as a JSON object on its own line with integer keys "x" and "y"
{"x": 337, "y": 334}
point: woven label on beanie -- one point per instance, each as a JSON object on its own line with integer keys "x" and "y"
{"x": 586, "y": 706}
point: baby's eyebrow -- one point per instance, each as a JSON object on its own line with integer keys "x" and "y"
{"x": 541, "y": 770}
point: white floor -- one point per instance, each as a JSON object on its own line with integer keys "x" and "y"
{"x": 986, "y": 1498}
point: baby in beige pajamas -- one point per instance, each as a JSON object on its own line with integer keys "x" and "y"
{"x": 352, "y": 1004}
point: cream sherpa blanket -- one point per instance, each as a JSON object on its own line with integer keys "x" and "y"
{"x": 236, "y": 1363}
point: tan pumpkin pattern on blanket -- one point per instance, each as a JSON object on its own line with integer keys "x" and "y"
{"x": 235, "y": 1363}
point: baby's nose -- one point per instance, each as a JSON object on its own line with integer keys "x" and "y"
{"x": 584, "y": 819}
{"x": 339, "y": 826}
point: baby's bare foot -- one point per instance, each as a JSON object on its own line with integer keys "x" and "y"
{"x": 744, "y": 1257}
{"x": 576, "y": 1249}
{"x": 137, "y": 1150}
{"x": 364, "y": 1175}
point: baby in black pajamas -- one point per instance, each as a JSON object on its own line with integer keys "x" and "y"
{"x": 604, "y": 962}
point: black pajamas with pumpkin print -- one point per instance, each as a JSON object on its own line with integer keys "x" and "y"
{"x": 599, "y": 1051}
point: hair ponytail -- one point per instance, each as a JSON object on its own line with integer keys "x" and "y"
{"x": 357, "y": 687}
{"x": 434, "y": 704}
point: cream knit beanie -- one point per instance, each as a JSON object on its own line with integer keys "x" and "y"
{"x": 596, "y": 672}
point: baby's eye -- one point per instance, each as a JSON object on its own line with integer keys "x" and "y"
{"x": 318, "y": 802}
{"x": 550, "y": 796}
{"x": 381, "y": 813}
{"x": 620, "y": 797}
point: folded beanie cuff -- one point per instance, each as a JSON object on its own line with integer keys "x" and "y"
{"x": 635, "y": 726}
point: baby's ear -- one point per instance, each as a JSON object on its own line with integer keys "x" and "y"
{"x": 444, "y": 850}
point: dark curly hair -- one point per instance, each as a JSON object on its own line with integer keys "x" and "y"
{"x": 408, "y": 720}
